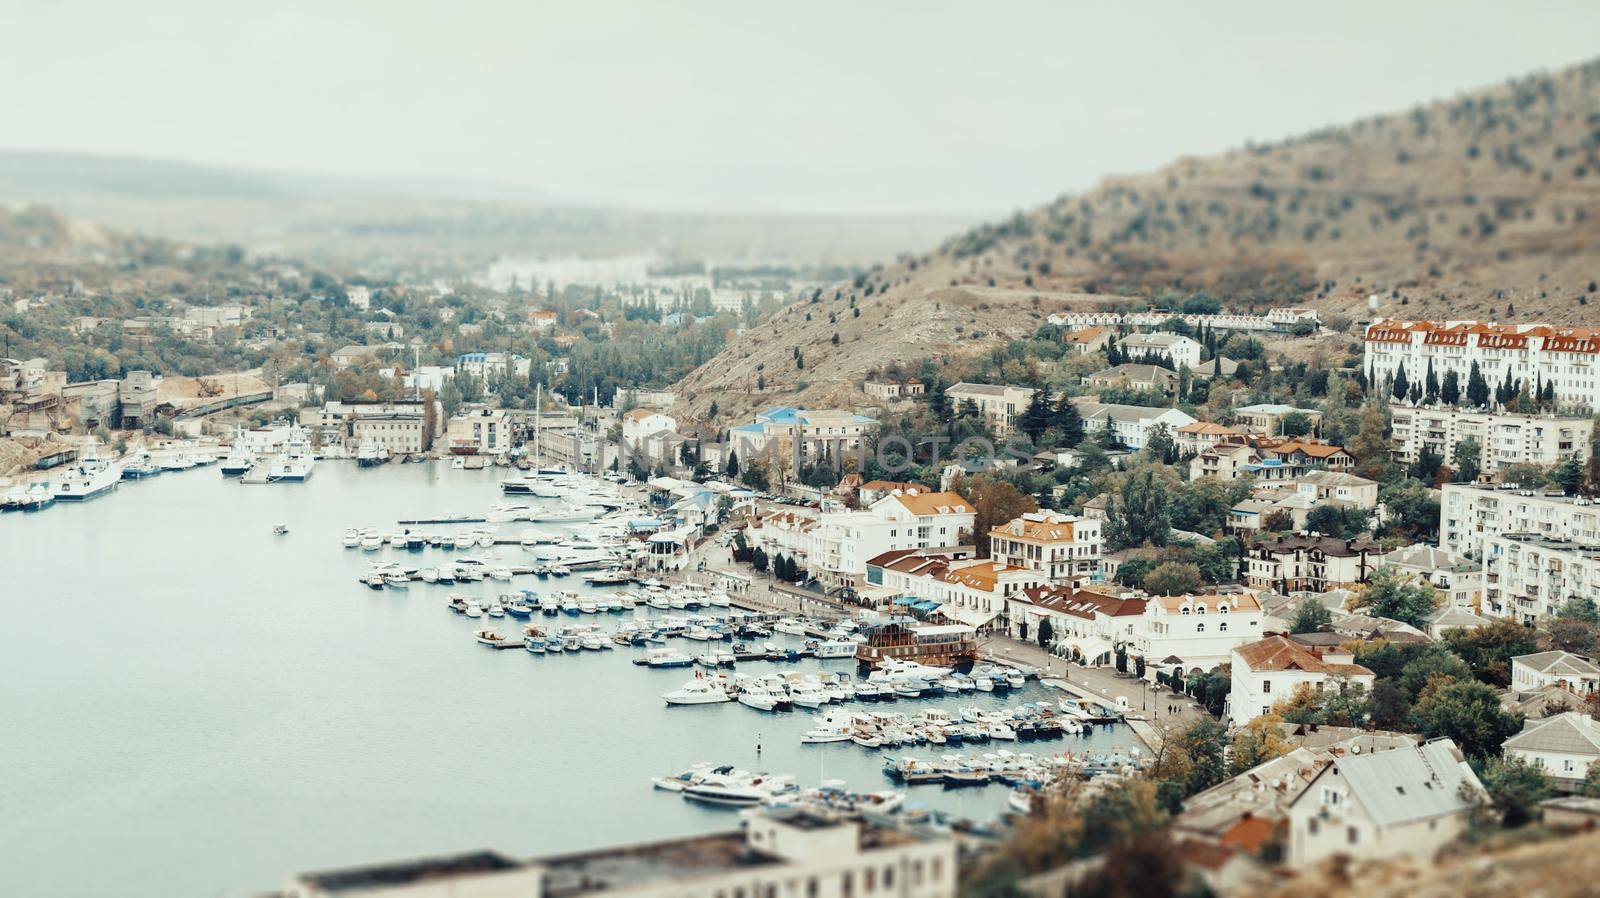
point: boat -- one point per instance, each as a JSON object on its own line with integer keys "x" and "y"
{"x": 239, "y": 460}
{"x": 519, "y": 609}
{"x": 13, "y": 499}
{"x": 698, "y": 691}
{"x": 736, "y": 789}
{"x": 370, "y": 455}
{"x": 608, "y": 577}
{"x": 665, "y": 658}
{"x": 294, "y": 463}
{"x": 489, "y": 637}
{"x": 474, "y": 610}
{"x": 396, "y": 581}
{"x": 140, "y": 468}
{"x": 790, "y": 626}
{"x": 371, "y": 542}
{"x": 495, "y": 609}
{"x": 179, "y": 462}
{"x": 92, "y": 476}
{"x": 687, "y": 778}
{"x": 566, "y": 513}
{"x": 280, "y": 530}
{"x": 374, "y": 581}
{"x": 499, "y": 572}
{"x": 808, "y": 694}
{"x": 764, "y": 698}
{"x": 835, "y": 649}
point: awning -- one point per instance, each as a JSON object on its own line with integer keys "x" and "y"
{"x": 972, "y": 617}
{"x": 1090, "y": 647}
{"x": 925, "y": 605}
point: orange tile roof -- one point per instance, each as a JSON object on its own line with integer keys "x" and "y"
{"x": 984, "y": 576}
{"x": 1281, "y": 653}
{"x": 1204, "y": 427}
{"x": 1087, "y": 335}
{"x": 935, "y": 503}
{"x": 1243, "y": 601}
{"x": 1036, "y": 531}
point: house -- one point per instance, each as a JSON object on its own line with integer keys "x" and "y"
{"x": 542, "y": 319}
{"x": 1177, "y": 349}
{"x": 1225, "y": 461}
{"x": 478, "y": 431}
{"x": 489, "y": 367}
{"x": 892, "y": 390}
{"x": 1305, "y": 454}
{"x": 1561, "y": 357}
{"x": 1087, "y": 339}
{"x": 1563, "y": 746}
{"x": 834, "y": 544}
{"x": 1457, "y": 581}
{"x": 809, "y": 436}
{"x": 1556, "y": 668}
{"x": 1197, "y": 632}
{"x": 348, "y": 356}
{"x": 1337, "y": 488}
{"x": 1451, "y": 617}
{"x": 1197, "y": 437}
{"x": 641, "y": 423}
{"x": 1302, "y": 563}
{"x": 1131, "y": 424}
{"x": 1404, "y": 802}
{"x": 1267, "y": 418}
{"x": 873, "y": 490}
{"x": 773, "y": 852}
{"x": 1271, "y": 669}
{"x": 1060, "y": 546}
{"x": 998, "y": 404}
{"x": 968, "y": 591}
{"x": 1153, "y": 378}
{"x": 1085, "y": 624}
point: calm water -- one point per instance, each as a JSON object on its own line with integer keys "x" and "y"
{"x": 191, "y": 706}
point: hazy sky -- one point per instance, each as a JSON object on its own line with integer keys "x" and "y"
{"x": 851, "y": 106}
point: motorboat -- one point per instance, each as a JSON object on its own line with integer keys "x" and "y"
{"x": 665, "y": 658}
{"x": 13, "y": 499}
{"x": 92, "y": 476}
{"x": 370, "y": 455}
{"x": 499, "y": 572}
{"x": 140, "y": 468}
{"x": 375, "y": 581}
{"x": 790, "y": 626}
{"x": 474, "y": 610}
{"x": 280, "y": 530}
{"x": 371, "y": 542}
{"x": 687, "y": 778}
{"x": 566, "y": 513}
{"x": 764, "y": 698}
{"x": 490, "y": 637}
{"x": 808, "y": 694}
{"x": 295, "y": 463}
{"x": 833, "y": 649}
{"x": 179, "y": 462}
{"x": 532, "y": 537}
{"x": 352, "y": 538}
{"x": 611, "y": 576}
{"x": 495, "y": 609}
{"x": 736, "y": 789}
{"x": 396, "y": 580}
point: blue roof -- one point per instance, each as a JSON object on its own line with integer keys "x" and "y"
{"x": 778, "y": 414}
{"x": 748, "y": 428}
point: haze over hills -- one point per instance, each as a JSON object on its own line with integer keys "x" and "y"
{"x": 356, "y": 219}
{"x": 1483, "y": 205}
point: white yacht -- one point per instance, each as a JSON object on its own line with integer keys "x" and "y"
{"x": 369, "y": 455}
{"x": 567, "y": 513}
{"x": 295, "y": 462}
{"x": 92, "y": 476}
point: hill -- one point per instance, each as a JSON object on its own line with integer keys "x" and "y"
{"x": 1483, "y": 205}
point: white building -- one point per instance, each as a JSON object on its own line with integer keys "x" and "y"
{"x": 1279, "y": 320}
{"x": 429, "y": 377}
{"x": 1404, "y": 802}
{"x": 1530, "y": 354}
{"x": 1337, "y": 488}
{"x": 999, "y": 404}
{"x": 400, "y": 427}
{"x": 1505, "y": 439}
{"x": 789, "y": 853}
{"x": 814, "y": 435}
{"x": 834, "y": 544}
{"x": 1571, "y": 672}
{"x": 1131, "y": 424}
{"x": 641, "y": 423}
{"x": 1061, "y": 546}
{"x": 1456, "y": 579}
{"x": 491, "y": 366}
{"x": 479, "y": 431}
{"x": 1303, "y": 563}
{"x": 1529, "y": 578}
{"x": 969, "y": 591}
{"x": 1085, "y": 624}
{"x": 1563, "y": 745}
{"x": 1470, "y": 514}
{"x": 1270, "y": 670}
{"x": 1199, "y": 631}
{"x": 1177, "y": 349}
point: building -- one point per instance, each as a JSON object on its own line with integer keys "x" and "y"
{"x": 1523, "y": 355}
{"x": 892, "y": 390}
{"x": 1277, "y": 320}
{"x": 1458, "y": 581}
{"x": 1087, "y": 339}
{"x": 137, "y": 396}
{"x": 999, "y": 405}
{"x": 1305, "y": 454}
{"x": 1528, "y": 577}
{"x": 1266, "y": 418}
{"x": 1131, "y": 424}
{"x": 1060, "y": 546}
{"x": 1197, "y": 632}
{"x": 1303, "y": 563}
{"x": 1152, "y": 378}
{"x": 479, "y": 431}
{"x": 492, "y": 366}
{"x": 1504, "y": 439}
{"x": 1571, "y": 672}
{"x": 835, "y": 544}
{"x": 401, "y": 427}
{"x": 1335, "y": 487}
{"x": 973, "y": 592}
{"x": 1177, "y": 349}
{"x": 1084, "y": 624}
{"x": 873, "y": 490}
{"x": 1224, "y": 460}
{"x": 1404, "y": 802}
{"x": 642, "y": 423}
{"x": 542, "y": 319}
{"x": 1271, "y": 669}
{"x": 788, "y": 852}
{"x": 1195, "y": 438}
{"x": 812, "y": 435}
{"x": 354, "y": 354}
{"x": 1470, "y": 514}
{"x": 1563, "y": 745}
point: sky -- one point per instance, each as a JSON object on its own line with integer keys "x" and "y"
{"x": 826, "y": 107}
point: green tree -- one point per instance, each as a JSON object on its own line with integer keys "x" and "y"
{"x": 1515, "y": 789}
{"x": 1450, "y": 389}
{"x": 1035, "y": 418}
{"x": 1310, "y": 616}
{"x": 1172, "y": 578}
{"x": 1467, "y": 458}
{"x": 1068, "y": 422}
{"x": 1434, "y": 664}
{"x": 1568, "y": 475}
{"x": 1388, "y": 707}
{"x": 1401, "y": 386}
{"x": 1295, "y": 424}
{"x": 1488, "y": 650}
{"x": 1467, "y": 712}
{"x": 1477, "y": 388}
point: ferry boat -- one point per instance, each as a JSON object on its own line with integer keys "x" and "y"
{"x": 370, "y": 455}
{"x": 945, "y": 645}
{"x": 92, "y": 476}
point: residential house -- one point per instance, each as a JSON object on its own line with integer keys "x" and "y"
{"x": 1404, "y": 802}
{"x": 1556, "y": 668}
{"x": 1529, "y": 577}
{"x": 1197, "y": 437}
{"x": 892, "y": 390}
{"x": 1306, "y": 454}
{"x": 1061, "y": 546}
{"x": 1153, "y": 378}
{"x": 999, "y": 405}
{"x": 1471, "y": 514}
{"x": 478, "y": 431}
{"x": 835, "y": 544}
{"x": 1087, "y": 339}
{"x": 1266, "y": 418}
{"x": 354, "y": 354}
{"x": 1197, "y": 632}
{"x": 1131, "y": 424}
{"x": 1303, "y": 563}
{"x": 1270, "y": 670}
{"x": 1503, "y": 439}
{"x": 1563, "y": 745}
{"x": 1085, "y": 624}
{"x": 812, "y": 436}
{"x": 1457, "y": 580}
{"x": 1337, "y": 488}
{"x": 1224, "y": 460}
{"x": 639, "y": 425}
{"x": 489, "y": 367}
{"x": 1178, "y": 350}
{"x": 1533, "y": 354}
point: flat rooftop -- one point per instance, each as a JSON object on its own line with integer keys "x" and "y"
{"x": 612, "y": 868}
{"x": 409, "y": 872}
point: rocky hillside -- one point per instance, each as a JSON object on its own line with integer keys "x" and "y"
{"x": 1486, "y": 205}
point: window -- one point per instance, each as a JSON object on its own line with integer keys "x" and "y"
{"x": 1311, "y": 826}
{"x": 888, "y": 877}
{"x": 847, "y": 884}
{"x": 869, "y": 880}
{"x": 1266, "y": 686}
{"x": 1352, "y": 835}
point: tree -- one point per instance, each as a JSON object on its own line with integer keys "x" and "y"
{"x": 1172, "y": 578}
{"x": 1391, "y": 594}
{"x": 1488, "y": 650}
{"x": 1430, "y": 391}
{"x": 1388, "y": 707}
{"x": 1450, "y": 389}
{"x": 1047, "y": 632}
{"x": 732, "y": 467}
{"x": 1138, "y": 513}
{"x": 1035, "y": 418}
{"x": 1401, "y": 386}
{"x": 994, "y": 502}
{"x": 1433, "y": 665}
{"x": 1295, "y": 424}
{"x": 1068, "y": 422}
{"x": 758, "y": 559}
{"x": 1515, "y": 789}
{"x": 1161, "y": 446}
{"x": 1568, "y": 475}
{"x": 1580, "y": 608}
{"x": 1477, "y": 388}
{"x": 1310, "y": 616}
{"x": 1467, "y": 458}
{"x": 1467, "y": 712}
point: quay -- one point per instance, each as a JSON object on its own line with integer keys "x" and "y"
{"x": 449, "y": 519}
